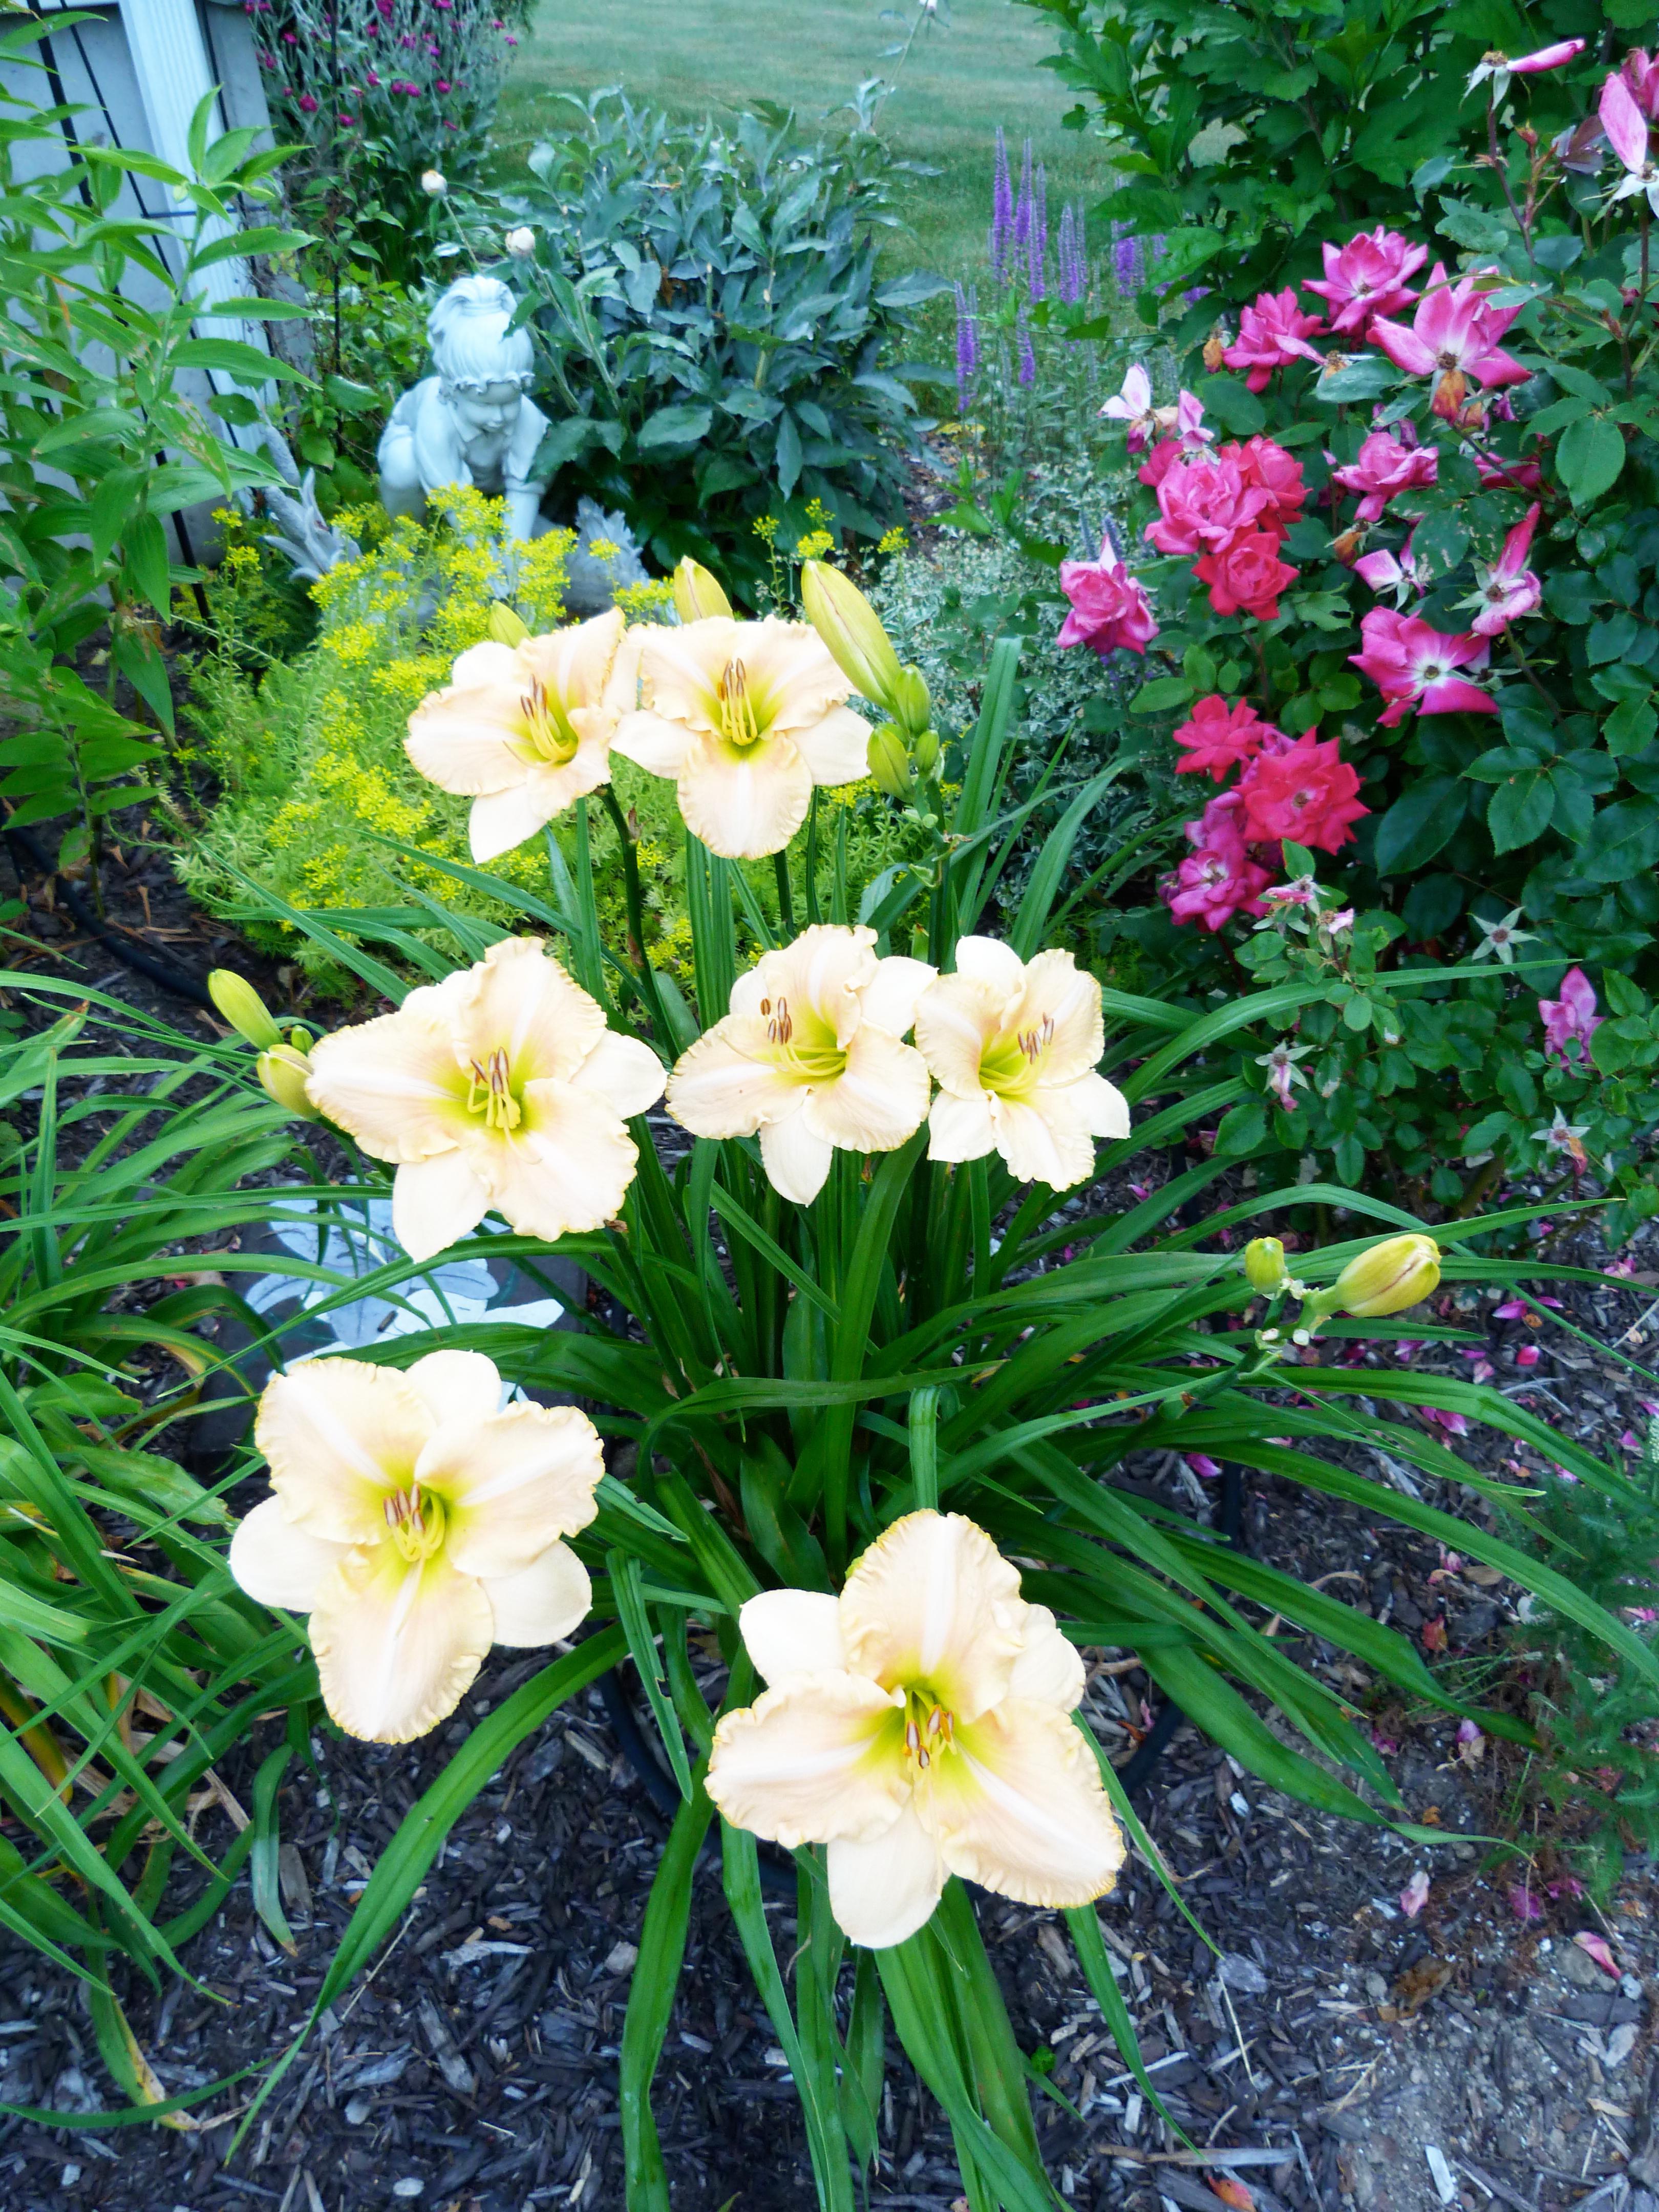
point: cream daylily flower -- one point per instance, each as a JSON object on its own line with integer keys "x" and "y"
{"x": 810, "y": 1055}
{"x": 918, "y": 1725}
{"x": 417, "y": 1525}
{"x": 524, "y": 731}
{"x": 746, "y": 717}
{"x": 500, "y": 1087}
{"x": 1013, "y": 1046}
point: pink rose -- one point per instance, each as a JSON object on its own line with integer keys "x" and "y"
{"x": 1386, "y": 466}
{"x": 1414, "y": 666}
{"x": 1217, "y": 879}
{"x": 1109, "y": 608}
{"x": 1246, "y": 575}
{"x": 1219, "y": 737}
{"x": 1570, "y": 1021}
{"x": 1367, "y": 277}
{"x": 1272, "y": 333}
{"x": 1203, "y": 503}
{"x": 1454, "y": 338}
{"x": 1307, "y": 792}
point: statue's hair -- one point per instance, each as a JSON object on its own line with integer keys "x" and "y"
{"x": 471, "y": 342}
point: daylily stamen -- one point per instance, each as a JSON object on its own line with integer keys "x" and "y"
{"x": 739, "y": 722}
{"x": 1034, "y": 1042}
{"x": 546, "y": 726}
{"x": 500, "y": 1109}
{"x": 416, "y": 1520}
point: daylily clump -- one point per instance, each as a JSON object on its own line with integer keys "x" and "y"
{"x": 417, "y": 1523}
{"x": 919, "y": 1725}
{"x": 500, "y": 1087}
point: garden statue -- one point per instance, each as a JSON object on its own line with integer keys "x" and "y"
{"x": 474, "y": 421}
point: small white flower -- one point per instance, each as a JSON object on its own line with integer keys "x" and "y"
{"x": 1502, "y": 937}
{"x": 1562, "y": 1136}
{"x": 521, "y": 243}
{"x": 434, "y": 183}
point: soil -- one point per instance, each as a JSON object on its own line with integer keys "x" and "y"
{"x": 1366, "y": 2053}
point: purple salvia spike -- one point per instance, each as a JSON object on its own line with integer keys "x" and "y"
{"x": 967, "y": 345}
{"x": 1002, "y": 210}
{"x": 1027, "y": 351}
{"x": 1023, "y": 204}
{"x": 1037, "y": 244}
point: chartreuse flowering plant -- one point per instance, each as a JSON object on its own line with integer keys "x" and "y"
{"x": 869, "y": 1394}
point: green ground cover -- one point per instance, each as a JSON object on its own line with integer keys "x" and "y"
{"x": 957, "y": 84}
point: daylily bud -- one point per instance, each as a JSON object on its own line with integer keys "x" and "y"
{"x": 925, "y": 752}
{"x": 851, "y": 630}
{"x": 283, "y": 1070}
{"x": 521, "y": 243}
{"x": 1390, "y": 1277}
{"x": 506, "y": 627}
{"x": 910, "y": 701}
{"x": 434, "y": 183}
{"x": 696, "y": 593}
{"x": 242, "y": 1007}
{"x": 890, "y": 765}
{"x": 1264, "y": 1264}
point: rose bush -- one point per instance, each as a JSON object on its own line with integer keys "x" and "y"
{"x": 1405, "y": 621}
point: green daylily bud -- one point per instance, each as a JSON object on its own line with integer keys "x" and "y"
{"x": 910, "y": 704}
{"x": 506, "y": 627}
{"x": 1390, "y": 1277}
{"x": 890, "y": 765}
{"x": 925, "y": 752}
{"x": 283, "y": 1070}
{"x": 852, "y": 630}
{"x": 242, "y": 1007}
{"x": 696, "y": 593}
{"x": 1264, "y": 1265}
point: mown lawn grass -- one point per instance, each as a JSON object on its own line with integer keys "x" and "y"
{"x": 695, "y": 57}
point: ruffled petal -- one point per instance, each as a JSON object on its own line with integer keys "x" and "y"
{"x": 882, "y": 1890}
{"x": 794, "y": 680}
{"x": 658, "y": 747}
{"x": 1058, "y": 992}
{"x": 956, "y": 1018}
{"x": 1020, "y": 1807}
{"x": 680, "y": 669}
{"x": 339, "y": 1436}
{"x": 278, "y": 1563}
{"x": 521, "y": 1002}
{"x": 933, "y": 1604}
{"x": 1043, "y": 1139}
{"x": 397, "y": 1645}
{"x": 468, "y": 739}
{"x": 960, "y": 1128}
{"x": 795, "y": 1158}
{"x": 1103, "y": 1108}
{"x": 744, "y": 802}
{"x": 434, "y": 1203}
{"x": 836, "y": 750}
{"x": 877, "y": 1102}
{"x": 501, "y": 820}
{"x": 793, "y": 1631}
{"x": 395, "y": 1084}
{"x": 988, "y": 960}
{"x": 822, "y": 1757}
{"x": 576, "y": 663}
{"x": 543, "y": 1602}
{"x": 825, "y": 971}
{"x": 456, "y": 1386}
{"x": 513, "y": 1485}
{"x": 1049, "y": 1668}
{"x": 567, "y": 1166}
{"x": 890, "y": 998}
{"x": 625, "y": 1073}
{"x": 718, "y": 1090}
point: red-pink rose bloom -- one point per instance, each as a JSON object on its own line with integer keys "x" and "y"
{"x": 1413, "y": 665}
{"x": 1641, "y": 74}
{"x": 1499, "y": 474}
{"x": 1202, "y": 504}
{"x": 1159, "y": 463}
{"x": 1246, "y": 575}
{"x": 1220, "y": 737}
{"x": 1367, "y": 277}
{"x": 1509, "y": 588}
{"x": 1109, "y": 608}
{"x": 1217, "y": 879}
{"x": 1308, "y": 793}
{"x": 1454, "y": 338}
{"x": 1384, "y": 467}
{"x": 1270, "y": 334}
{"x": 1267, "y": 467}
{"x": 1570, "y": 1021}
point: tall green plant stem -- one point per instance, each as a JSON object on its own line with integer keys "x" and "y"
{"x": 635, "y": 901}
